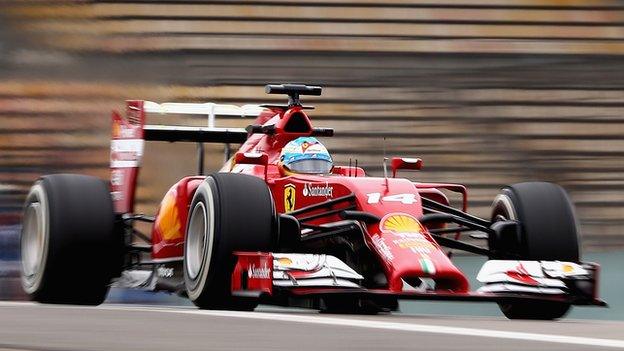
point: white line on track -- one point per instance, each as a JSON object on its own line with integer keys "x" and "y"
{"x": 361, "y": 323}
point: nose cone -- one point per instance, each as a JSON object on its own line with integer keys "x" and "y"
{"x": 408, "y": 251}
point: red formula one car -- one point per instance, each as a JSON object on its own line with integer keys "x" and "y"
{"x": 280, "y": 224}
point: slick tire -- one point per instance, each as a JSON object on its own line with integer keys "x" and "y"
{"x": 548, "y": 231}
{"x": 229, "y": 212}
{"x": 70, "y": 250}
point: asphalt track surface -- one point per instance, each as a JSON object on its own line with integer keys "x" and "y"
{"x": 27, "y": 326}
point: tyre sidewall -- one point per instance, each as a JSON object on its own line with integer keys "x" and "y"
{"x": 36, "y": 195}
{"x": 196, "y": 287}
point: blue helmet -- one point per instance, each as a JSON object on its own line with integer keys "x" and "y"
{"x": 306, "y": 155}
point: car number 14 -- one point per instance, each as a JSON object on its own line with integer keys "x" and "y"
{"x": 408, "y": 199}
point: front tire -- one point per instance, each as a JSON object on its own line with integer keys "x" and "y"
{"x": 229, "y": 212}
{"x": 548, "y": 232}
{"x": 70, "y": 251}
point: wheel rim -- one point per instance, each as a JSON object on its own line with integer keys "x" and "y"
{"x": 503, "y": 202}
{"x": 34, "y": 240}
{"x": 196, "y": 241}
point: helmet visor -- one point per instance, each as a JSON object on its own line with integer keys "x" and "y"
{"x": 311, "y": 166}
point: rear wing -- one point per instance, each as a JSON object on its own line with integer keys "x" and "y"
{"x": 129, "y": 134}
{"x": 208, "y": 134}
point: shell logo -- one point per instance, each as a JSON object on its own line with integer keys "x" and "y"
{"x": 116, "y": 129}
{"x": 400, "y": 223}
{"x": 285, "y": 261}
{"x": 168, "y": 220}
{"x": 567, "y": 268}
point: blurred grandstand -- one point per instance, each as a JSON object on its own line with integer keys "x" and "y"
{"x": 487, "y": 92}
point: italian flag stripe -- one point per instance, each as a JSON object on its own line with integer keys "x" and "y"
{"x": 427, "y": 266}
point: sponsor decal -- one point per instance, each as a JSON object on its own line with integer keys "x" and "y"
{"x": 117, "y": 195}
{"x": 409, "y": 232}
{"x": 318, "y": 190}
{"x": 558, "y": 269}
{"x": 400, "y": 223}
{"x": 289, "y": 197}
{"x": 258, "y": 272}
{"x": 305, "y": 146}
{"x": 127, "y": 133}
{"x": 126, "y": 153}
{"x": 427, "y": 265}
{"x": 421, "y": 246}
{"x": 122, "y": 132}
{"x": 165, "y": 272}
{"x": 383, "y": 248}
{"x": 117, "y": 177}
{"x": 284, "y": 261}
{"x": 312, "y": 147}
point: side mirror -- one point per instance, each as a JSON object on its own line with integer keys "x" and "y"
{"x": 414, "y": 164}
{"x": 253, "y": 158}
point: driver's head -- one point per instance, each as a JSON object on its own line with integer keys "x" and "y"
{"x": 306, "y": 155}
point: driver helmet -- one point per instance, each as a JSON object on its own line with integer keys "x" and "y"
{"x": 306, "y": 155}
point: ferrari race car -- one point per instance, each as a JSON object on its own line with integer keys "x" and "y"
{"x": 280, "y": 224}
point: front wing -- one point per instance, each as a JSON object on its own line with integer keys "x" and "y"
{"x": 275, "y": 277}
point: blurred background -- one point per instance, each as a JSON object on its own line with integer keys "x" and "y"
{"x": 488, "y": 93}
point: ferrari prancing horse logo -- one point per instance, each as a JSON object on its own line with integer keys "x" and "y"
{"x": 289, "y": 197}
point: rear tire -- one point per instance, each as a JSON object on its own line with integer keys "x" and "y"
{"x": 548, "y": 231}
{"x": 229, "y": 212}
{"x": 70, "y": 251}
